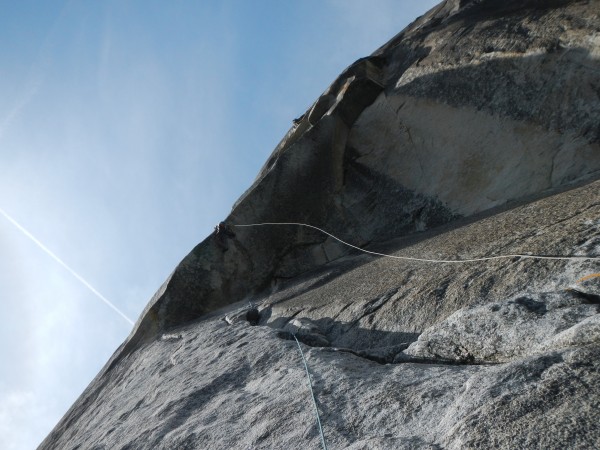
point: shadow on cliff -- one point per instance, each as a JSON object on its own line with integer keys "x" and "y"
{"x": 314, "y": 168}
{"x": 540, "y": 82}
{"x": 311, "y": 176}
{"x": 376, "y": 345}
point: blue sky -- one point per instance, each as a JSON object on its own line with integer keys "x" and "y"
{"x": 127, "y": 130}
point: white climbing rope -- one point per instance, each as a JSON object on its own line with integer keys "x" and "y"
{"x": 405, "y": 258}
{"x": 426, "y": 260}
{"x": 312, "y": 393}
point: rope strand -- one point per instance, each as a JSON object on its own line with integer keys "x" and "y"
{"x": 406, "y": 258}
{"x": 312, "y": 393}
{"x": 410, "y": 258}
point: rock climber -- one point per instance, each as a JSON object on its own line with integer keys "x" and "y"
{"x": 297, "y": 120}
{"x": 222, "y": 233}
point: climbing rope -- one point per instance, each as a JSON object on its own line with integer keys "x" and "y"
{"x": 405, "y": 258}
{"x": 588, "y": 277}
{"x": 410, "y": 258}
{"x": 312, "y": 393}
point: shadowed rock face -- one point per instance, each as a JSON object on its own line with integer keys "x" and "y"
{"x": 402, "y": 355}
{"x": 475, "y": 104}
{"x": 470, "y": 133}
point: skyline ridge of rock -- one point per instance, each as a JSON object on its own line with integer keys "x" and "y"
{"x": 473, "y": 132}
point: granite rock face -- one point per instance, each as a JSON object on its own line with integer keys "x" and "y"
{"x": 476, "y": 104}
{"x": 502, "y": 354}
{"x": 474, "y": 132}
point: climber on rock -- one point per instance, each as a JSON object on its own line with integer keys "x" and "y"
{"x": 222, "y": 233}
{"x": 297, "y": 120}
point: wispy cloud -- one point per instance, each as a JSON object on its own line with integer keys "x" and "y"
{"x": 19, "y": 106}
{"x": 36, "y": 75}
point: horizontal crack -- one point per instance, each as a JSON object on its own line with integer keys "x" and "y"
{"x": 400, "y": 358}
{"x": 588, "y": 297}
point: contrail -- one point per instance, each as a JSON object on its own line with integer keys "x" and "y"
{"x": 20, "y": 105}
{"x": 62, "y": 263}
